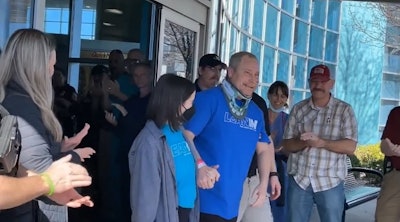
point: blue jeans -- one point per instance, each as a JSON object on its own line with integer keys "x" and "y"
{"x": 330, "y": 203}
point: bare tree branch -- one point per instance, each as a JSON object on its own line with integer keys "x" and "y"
{"x": 383, "y": 27}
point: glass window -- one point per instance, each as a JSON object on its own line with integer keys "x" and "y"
{"x": 224, "y": 46}
{"x": 311, "y": 63}
{"x": 257, "y": 18}
{"x": 275, "y": 2}
{"x": 333, "y": 15}
{"x": 332, "y": 70}
{"x": 232, "y": 47}
{"x": 391, "y": 89}
{"x": 303, "y": 9}
{"x": 331, "y": 46}
{"x": 268, "y": 65}
{"x": 285, "y": 35}
{"x": 52, "y": 27}
{"x": 283, "y": 67}
{"x": 87, "y": 29}
{"x": 318, "y": 12}
{"x": 300, "y": 37}
{"x": 288, "y": 5}
{"x": 88, "y": 23}
{"x": 20, "y": 16}
{"x": 235, "y": 11}
{"x": 65, "y": 15}
{"x": 299, "y": 76}
{"x": 316, "y": 42}
{"x": 264, "y": 92}
{"x": 176, "y": 60}
{"x": 53, "y": 14}
{"x": 244, "y": 42}
{"x": 57, "y": 13}
{"x": 64, "y": 28}
{"x": 392, "y": 60}
{"x": 386, "y": 107}
{"x": 296, "y": 96}
{"x": 256, "y": 49}
{"x": 272, "y": 16}
{"x": 246, "y": 15}
{"x": 88, "y": 16}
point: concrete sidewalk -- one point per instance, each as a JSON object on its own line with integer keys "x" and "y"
{"x": 362, "y": 213}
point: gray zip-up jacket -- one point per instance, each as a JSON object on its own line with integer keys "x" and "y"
{"x": 153, "y": 186}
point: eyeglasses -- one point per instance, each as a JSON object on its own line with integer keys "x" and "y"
{"x": 132, "y": 61}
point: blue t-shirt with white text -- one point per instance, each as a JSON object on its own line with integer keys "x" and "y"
{"x": 229, "y": 142}
{"x": 184, "y": 167}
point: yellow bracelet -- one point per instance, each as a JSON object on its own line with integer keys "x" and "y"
{"x": 46, "y": 178}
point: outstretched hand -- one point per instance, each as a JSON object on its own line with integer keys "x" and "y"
{"x": 72, "y": 198}
{"x": 69, "y": 144}
{"x": 66, "y": 175}
{"x": 85, "y": 153}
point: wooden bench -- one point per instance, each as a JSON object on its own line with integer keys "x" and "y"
{"x": 361, "y": 185}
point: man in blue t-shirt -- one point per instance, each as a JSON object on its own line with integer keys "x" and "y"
{"x": 227, "y": 130}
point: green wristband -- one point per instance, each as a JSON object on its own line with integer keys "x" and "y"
{"x": 46, "y": 178}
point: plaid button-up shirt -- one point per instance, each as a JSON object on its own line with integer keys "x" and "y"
{"x": 321, "y": 168}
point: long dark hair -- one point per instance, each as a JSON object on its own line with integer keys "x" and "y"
{"x": 273, "y": 89}
{"x": 170, "y": 92}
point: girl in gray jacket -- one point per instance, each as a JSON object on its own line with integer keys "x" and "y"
{"x": 161, "y": 164}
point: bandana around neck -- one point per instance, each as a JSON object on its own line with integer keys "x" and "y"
{"x": 232, "y": 94}
{"x": 282, "y": 109}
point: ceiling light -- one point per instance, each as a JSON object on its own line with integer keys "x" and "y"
{"x": 108, "y": 24}
{"x": 114, "y": 11}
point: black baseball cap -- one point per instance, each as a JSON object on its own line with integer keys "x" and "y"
{"x": 99, "y": 70}
{"x": 211, "y": 60}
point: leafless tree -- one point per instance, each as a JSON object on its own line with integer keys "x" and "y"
{"x": 383, "y": 26}
{"x": 181, "y": 40}
{"x": 359, "y": 75}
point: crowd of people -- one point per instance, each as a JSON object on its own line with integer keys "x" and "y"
{"x": 177, "y": 151}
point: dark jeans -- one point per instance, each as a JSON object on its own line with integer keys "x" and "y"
{"x": 184, "y": 214}
{"x": 214, "y": 218}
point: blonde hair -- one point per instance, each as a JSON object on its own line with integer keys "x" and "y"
{"x": 25, "y": 60}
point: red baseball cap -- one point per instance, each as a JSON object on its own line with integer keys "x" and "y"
{"x": 320, "y": 72}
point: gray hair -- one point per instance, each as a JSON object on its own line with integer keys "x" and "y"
{"x": 25, "y": 60}
{"x": 235, "y": 59}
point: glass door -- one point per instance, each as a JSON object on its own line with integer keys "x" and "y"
{"x": 178, "y": 46}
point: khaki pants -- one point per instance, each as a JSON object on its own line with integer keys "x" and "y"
{"x": 248, "y": 213}
{"x": 388, "y": 204}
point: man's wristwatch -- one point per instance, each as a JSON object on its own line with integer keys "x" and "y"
{"x": 271, "y": 174}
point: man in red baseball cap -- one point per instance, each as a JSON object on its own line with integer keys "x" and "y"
{"x": 319, "y": 134}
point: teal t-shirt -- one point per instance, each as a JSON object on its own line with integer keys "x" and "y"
{"x": 184, "y": 167}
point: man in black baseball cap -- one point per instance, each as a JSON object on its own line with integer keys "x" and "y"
{"x": 210, "y": 67}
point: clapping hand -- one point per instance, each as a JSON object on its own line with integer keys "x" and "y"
{"x": 389, "y": 148}
{"x": 85, "y": 153}
{"x": 69, "y": 144}
{"x": 66, "y": 175}
{"x": 72, "y": 198}
{"x": 312, "y": 139}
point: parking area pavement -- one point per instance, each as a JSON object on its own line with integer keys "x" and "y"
{"x": 362, "y": 213}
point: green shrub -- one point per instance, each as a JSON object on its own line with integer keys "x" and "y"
{"x": 368, "y": 156}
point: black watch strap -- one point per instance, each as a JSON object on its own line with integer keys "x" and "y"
{"x": 271, "y": 174}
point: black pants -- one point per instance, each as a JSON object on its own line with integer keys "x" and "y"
{"x": 184, "y": 214}
{"x": 214, "y": 218}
